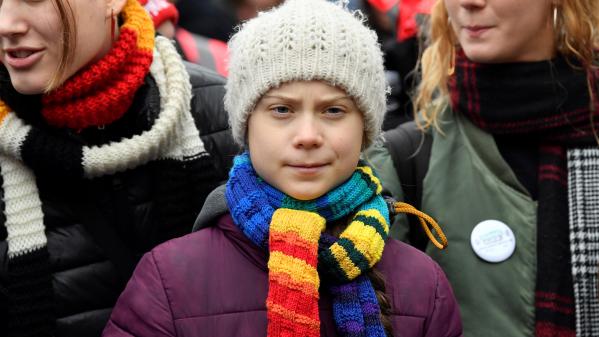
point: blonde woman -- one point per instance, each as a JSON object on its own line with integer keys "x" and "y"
{"x": 509, "y": 96}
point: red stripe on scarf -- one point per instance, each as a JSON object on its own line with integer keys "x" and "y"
{"x": 553, "y": 172}
{"x": 296, "y": 302}
{"x": 292, "y": 283}
{"x": 102, "y": 93}
{"x": 286, "y": 325}
{"x": 299, "y": 248}
{"x": 553, "y": 297}
{"x": 546, "y": 329}
{"x": 555, "y": 307}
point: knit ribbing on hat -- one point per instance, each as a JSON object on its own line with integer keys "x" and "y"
{"x": 305, "y": 40}
{"x": 173, "y": 138}
{"x": 102, "y": 93}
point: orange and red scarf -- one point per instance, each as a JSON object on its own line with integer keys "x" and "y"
{"x": 101, "y": 93}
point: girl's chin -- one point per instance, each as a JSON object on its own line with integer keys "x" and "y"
{"x": 304, "y": 195}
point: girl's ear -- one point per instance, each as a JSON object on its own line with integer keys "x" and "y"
{"x": 114, "y": 7}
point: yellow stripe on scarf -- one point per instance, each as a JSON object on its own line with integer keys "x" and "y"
{"x": 346, "y": 264}
{"x": 297, "y": 269}
{"x": 366, "y": 240}
{"x": 368, "y": 171}
{"x": 137, "y": 19}
{"x": 307, "y": 225}
{"x": 374, "y": 213}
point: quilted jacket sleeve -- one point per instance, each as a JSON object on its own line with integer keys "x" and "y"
{"x": 143, "y": 308}
{"x": 444, "y": 320}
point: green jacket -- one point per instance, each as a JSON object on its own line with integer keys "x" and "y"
{"x": 468, "y": 182}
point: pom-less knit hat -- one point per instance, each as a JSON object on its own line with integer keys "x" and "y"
{"x": 304, "y": 40}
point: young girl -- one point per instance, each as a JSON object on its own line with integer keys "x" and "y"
{"x": 100, "y": 157}
{"x": 511, "y": 88}
{"x": 296, "y": 244}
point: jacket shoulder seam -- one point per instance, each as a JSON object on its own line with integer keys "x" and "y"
{"x": 221, "y": 314}
{"x": 436, "y": 297}
{"x": 407, "y": 315}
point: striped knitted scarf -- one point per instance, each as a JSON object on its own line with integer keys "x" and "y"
{"x": 26, "y": 149}
{"x": 103, "y": 92}
{"x": 546, "y": 104}
{"x": 291, "y": 230}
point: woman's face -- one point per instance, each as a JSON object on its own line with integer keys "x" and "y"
{"x": 305, "y": 138}
{"x": 494, "y": 31}
{"x": 30, "y": 39}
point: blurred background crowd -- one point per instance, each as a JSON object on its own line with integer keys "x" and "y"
{"x": 202, "y": 28}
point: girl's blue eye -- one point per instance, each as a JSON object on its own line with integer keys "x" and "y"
{"x": 280, "y": 109}
{"x": 335, "y": 111}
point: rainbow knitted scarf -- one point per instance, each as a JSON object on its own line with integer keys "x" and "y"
{"x": 292, "y": 229}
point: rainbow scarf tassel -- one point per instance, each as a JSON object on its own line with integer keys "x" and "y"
{"x": 293, "y": 277}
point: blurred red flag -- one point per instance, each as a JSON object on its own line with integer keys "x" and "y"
{"x": 406, "y": 26}
{"x": 383, "y": 5}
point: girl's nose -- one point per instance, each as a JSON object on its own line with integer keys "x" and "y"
{"x": 308, "y": 133}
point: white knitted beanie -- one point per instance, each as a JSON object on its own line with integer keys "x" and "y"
{"x": 305, "y": 40}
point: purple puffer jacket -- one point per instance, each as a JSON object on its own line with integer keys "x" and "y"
{"x": 214, "y": 282}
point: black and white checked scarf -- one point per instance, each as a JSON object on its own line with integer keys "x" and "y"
{"x": 583, "y": 199}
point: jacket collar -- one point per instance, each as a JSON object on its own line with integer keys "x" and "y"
{"x": 214, "y": 207}
{"x": 216, "y": 211}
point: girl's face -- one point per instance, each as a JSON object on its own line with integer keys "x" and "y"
{"x": 305, "y": 138}
{"x": 494, "y": 31}
{"x": 30, "y": 39}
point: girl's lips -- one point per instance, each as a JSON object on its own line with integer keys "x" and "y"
{"x": 15, "y": 59}
{"x": 307, "y": 169}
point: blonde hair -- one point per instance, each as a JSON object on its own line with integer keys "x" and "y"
{"x": 577, "y": 38}
{"x": 68, "y": 42}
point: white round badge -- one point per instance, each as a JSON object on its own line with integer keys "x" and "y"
{"x": 493, "y": 241}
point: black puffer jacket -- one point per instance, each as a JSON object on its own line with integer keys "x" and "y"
{"x": 97, "y": 229}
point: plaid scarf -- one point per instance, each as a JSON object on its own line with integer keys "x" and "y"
{"x": 544, "y": 103}
{"x": 292, "y": 231}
